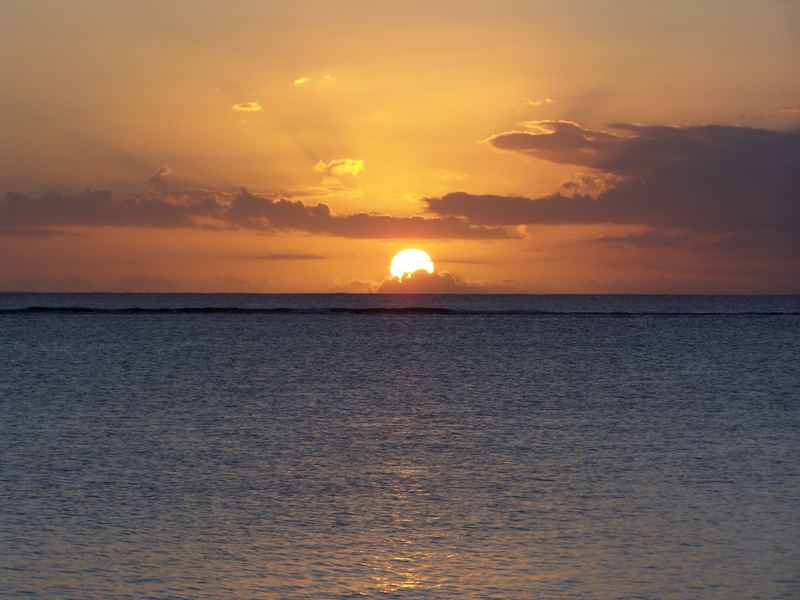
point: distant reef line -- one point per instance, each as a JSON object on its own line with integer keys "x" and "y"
{"x": 346, "y": 310}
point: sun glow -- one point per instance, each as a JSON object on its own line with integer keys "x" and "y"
{"x": 409, "y": 261}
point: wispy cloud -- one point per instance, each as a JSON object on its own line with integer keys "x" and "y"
{"x": 33, "y": 232}
{"x": 247, "y": 107}
{"x": 305, "y": 80}
{"x": 340, "y": 166}
{"x": 540, "y": 102}
{"x": 461, "y": 261}
{"x": 279, "y": 256}
{"x": 646, "y": 239}
{"x": 450, "y": 176}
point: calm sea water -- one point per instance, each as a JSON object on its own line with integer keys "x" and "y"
{"x": 507, "y": 447}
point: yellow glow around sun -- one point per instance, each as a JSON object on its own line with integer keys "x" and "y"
{"x": 409, "y": 261}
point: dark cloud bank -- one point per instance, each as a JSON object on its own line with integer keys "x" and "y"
{"x": 734, "y": 190}
{"x": 212, "y": 210}
{"x": 741, "y": 182}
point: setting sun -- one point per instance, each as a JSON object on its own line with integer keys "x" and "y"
{"x": 409, "y": 261}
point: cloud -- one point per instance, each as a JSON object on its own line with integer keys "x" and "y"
{"x": 98, "y": 208}
{"x": 461, "y": 261}
{"x": 756, "y": 245}
{"x": 645, "y": 149}
{"x": 710, "y": 179}
{"x": 646, "y": 239}
{"x": 422, "y": 282}
{"x": 279, "y": 256}
{"x": 356, "y": 286}
{"x": 255, "y": 212}
{"x": 442, "y": 282}
{"x": 303, "y": 81}
{"x": 558, "y": 141}
{"x": 340, "y": 166}
{"x": 247, "y": 107}
{"x": 157, "y": 180}
{"x": 31, "y": 232}
{"x": 540, "y": 102}
{"x": 589, "y": 183}
{"x": 450, "y": 176}
{"x": 224, "y": 210}
{"x": 511, "y": 210}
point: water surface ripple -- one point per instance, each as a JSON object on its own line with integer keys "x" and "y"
{"x": 448, "y": 453}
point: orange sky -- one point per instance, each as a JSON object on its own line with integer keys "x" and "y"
{"x": 130, "y": 129}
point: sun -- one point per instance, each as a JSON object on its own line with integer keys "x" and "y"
{"x": 409, "y": 261}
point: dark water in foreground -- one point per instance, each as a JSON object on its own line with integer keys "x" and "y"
{"x": 506, "y": 447}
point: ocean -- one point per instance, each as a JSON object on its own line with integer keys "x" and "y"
{"x": 345, "y": 446}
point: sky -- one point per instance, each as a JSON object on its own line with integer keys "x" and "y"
{"x": 527, "y": 147}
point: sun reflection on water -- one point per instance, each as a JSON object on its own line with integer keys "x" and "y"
{"x": 403, "y": 562}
